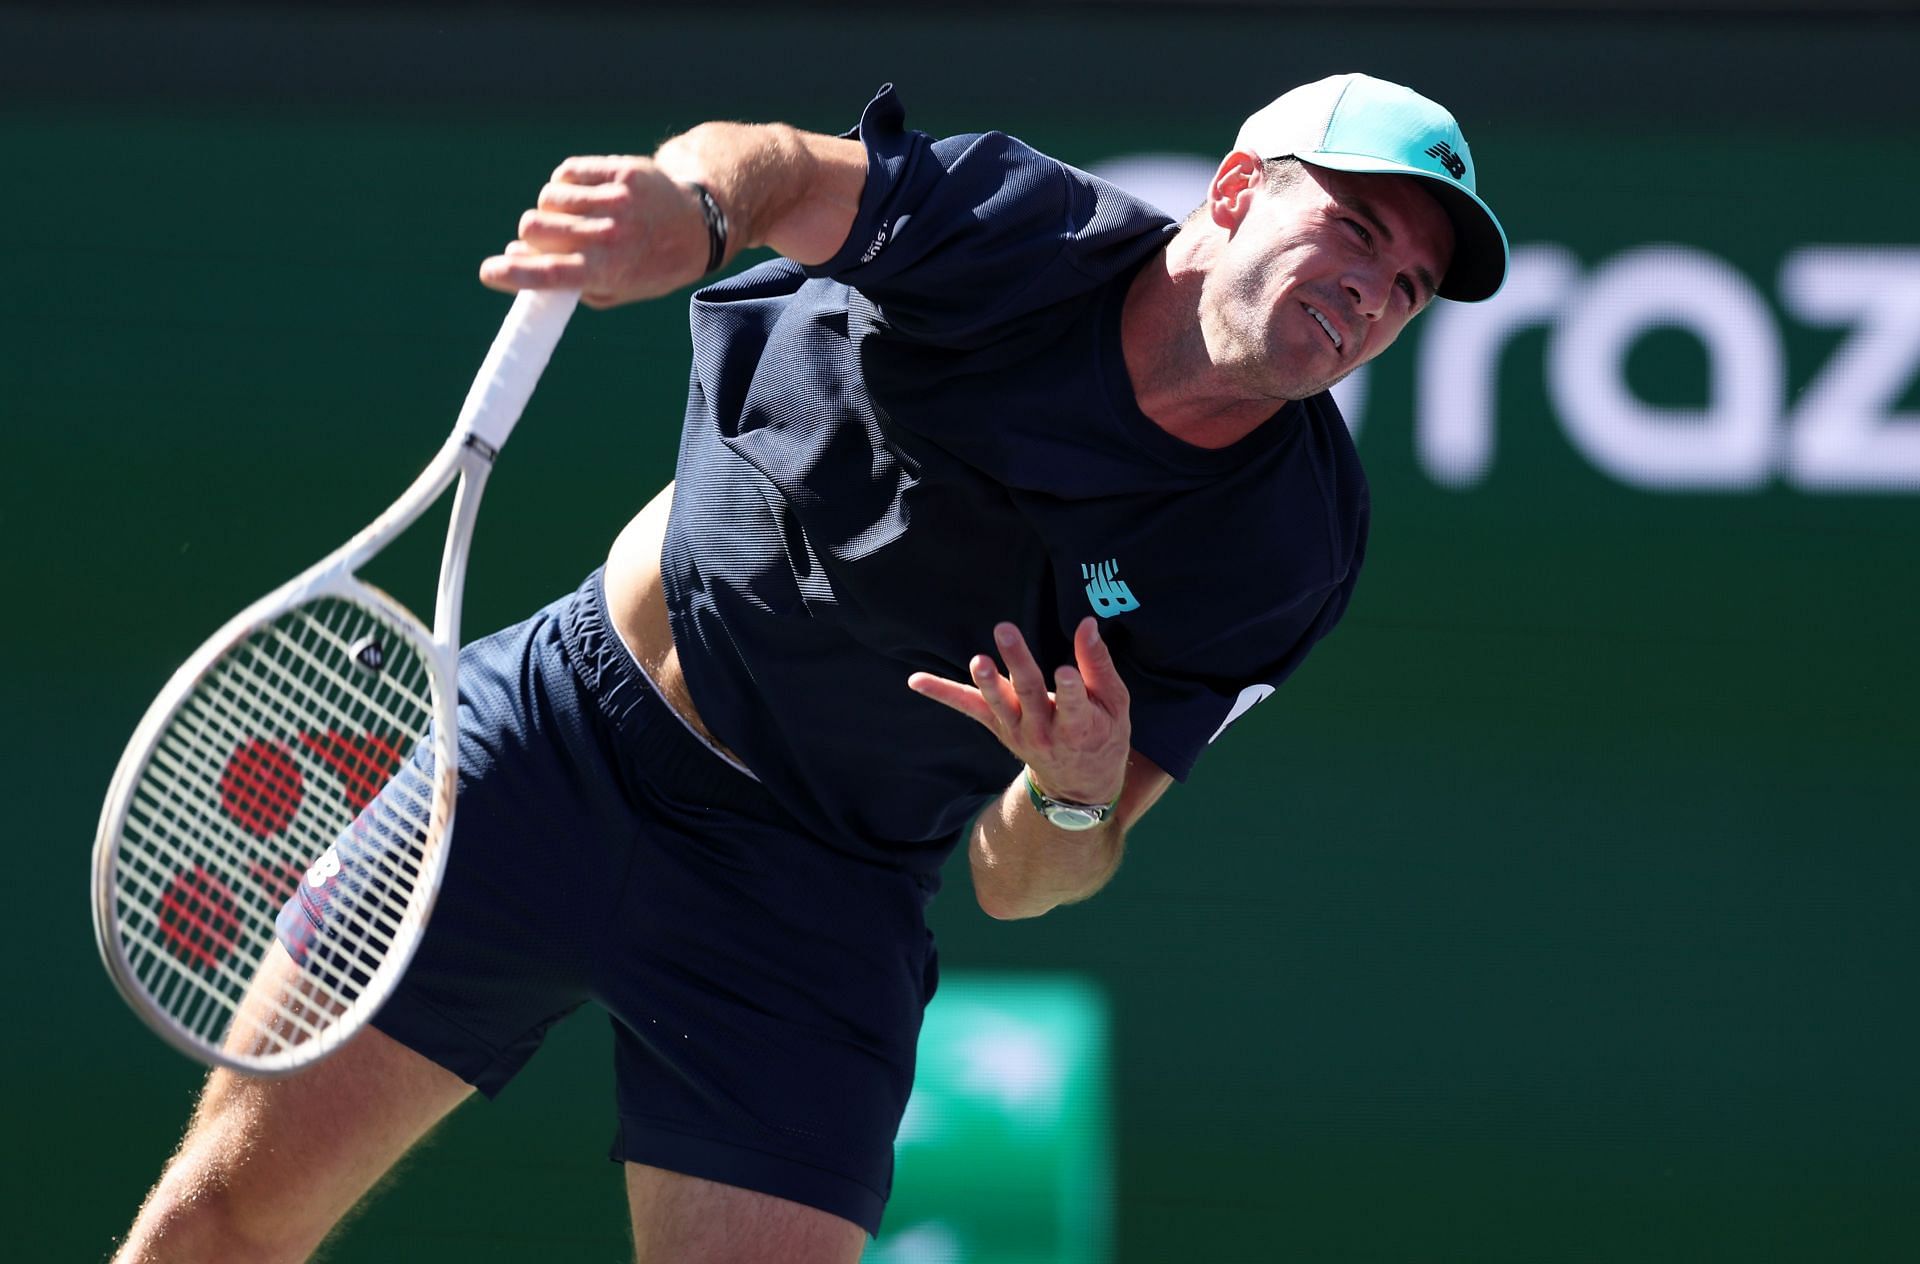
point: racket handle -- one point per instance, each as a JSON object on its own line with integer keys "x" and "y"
{"x": 513, "y": 365}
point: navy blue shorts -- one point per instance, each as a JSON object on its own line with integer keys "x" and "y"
{"x": 765, "y": 988}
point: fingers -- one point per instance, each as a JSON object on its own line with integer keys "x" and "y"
{"x": 617, "y": 228}
{"x": 993, "y": 700}
{"x": 1018, "y": 703}
{"x": 593, "y": 169}
{"x": 556, "y": 231}
{"x": 1086, "y": 697}
{"x": 1091, "y": 694}
{"x": 580, "y": 199}
{"x": 550, "y": 253}
{"x": 521, "y": 267}
{"x": 998, "y": 693}
{"x": 951, "y": 693}
{"x": 1075, "y": 738}
{"x": 1028, "y": 681}
{"x": 1073, "y": 711}
{"x": 1096, "y": 664}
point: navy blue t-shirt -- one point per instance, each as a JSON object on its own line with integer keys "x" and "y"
{"x": 934, "y": 431}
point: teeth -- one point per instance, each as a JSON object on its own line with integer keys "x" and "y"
{"x": 1324, "y": 324}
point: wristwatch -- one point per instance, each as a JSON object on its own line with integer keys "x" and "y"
{"x": 1064, "y": 814}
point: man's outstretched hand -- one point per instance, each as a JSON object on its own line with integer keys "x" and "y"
{"x": 1075, "y": 737}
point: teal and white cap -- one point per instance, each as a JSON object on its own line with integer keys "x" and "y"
{"x": 1359, "y": 123}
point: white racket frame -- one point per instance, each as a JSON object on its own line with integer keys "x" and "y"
{"x": 493, "y": 406}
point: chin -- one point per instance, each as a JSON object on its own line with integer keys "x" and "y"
{"x": 1339, "y": 378}
{"x": 1297, "y": 389}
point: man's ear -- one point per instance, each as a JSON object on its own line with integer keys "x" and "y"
{"x": 1230, "y": 196}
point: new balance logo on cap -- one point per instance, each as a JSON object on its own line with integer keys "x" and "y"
{"x": 1109, "y": 594}
{"x": 1456, "y": 165}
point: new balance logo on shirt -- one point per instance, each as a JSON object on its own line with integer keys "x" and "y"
{"x": 1108, "y": 593}
{"x": 1111, "y": 596}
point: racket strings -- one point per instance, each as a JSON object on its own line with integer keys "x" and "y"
{"x": 203, "y": 926}
{"x": 397, "y": 705}
{"x": 191, "y": 751}
{"x": 300, "y": 752}
{"x": 258, "y": 899}
{"x": 276, "y": 871}
{"x": 234, "y": 717}
{"x": 191, "y": 940}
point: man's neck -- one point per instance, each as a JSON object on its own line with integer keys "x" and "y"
{"x": 1174, "y": 379}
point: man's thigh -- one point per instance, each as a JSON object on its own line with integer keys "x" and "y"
{"x": 269, "y": 1166}
{"x": 687, "y": 1220}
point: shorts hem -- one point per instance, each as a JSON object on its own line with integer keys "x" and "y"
{"x": 422, "y": 1027}
{"x": 645, "y": 1141}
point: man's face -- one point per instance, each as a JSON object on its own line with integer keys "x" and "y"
{"x": 1318, "y": 275}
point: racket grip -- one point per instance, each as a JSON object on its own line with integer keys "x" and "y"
{"x": 513, "y": 365}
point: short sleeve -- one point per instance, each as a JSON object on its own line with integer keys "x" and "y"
{"x": 1177, "y": 714}
{"x": 959, "y": 236}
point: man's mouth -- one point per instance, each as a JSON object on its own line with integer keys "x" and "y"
{"x": 1325, "y": 324}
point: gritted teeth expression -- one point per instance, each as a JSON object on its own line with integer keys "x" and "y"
{"x": 1325, "y": 324}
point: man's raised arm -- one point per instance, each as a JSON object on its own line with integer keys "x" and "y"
{"x": 620, "y": 228}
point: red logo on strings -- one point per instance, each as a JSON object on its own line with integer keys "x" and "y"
{"x": 365, "y": 762}
{"x": 199, "y": 918}
{"x": 262, "y": 787}
{"x": 261, "y": 790}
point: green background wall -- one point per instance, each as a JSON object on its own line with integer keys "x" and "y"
{"x": 1563, "y": 908}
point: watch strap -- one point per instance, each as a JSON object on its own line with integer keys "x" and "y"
{"x": 1065, "y": 813}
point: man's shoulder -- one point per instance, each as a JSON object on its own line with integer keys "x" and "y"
{"x": 1014, "y": 169}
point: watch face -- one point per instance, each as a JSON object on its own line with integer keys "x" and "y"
{"x": 1069, "y": 818}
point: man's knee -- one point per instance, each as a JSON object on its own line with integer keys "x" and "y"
{"x": 203, "y": 1208}
{"x": 268, "y": 1167}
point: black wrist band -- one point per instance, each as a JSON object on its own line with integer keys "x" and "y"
{"x": 716, "y": 227}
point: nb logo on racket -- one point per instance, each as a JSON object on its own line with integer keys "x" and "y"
{"x": 328, "y": 866}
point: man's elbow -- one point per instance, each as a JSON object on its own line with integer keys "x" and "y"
{"x": 1002, "y": 896}
{"x": 1008, "y": 907}
{"x": 1009, "y": 902}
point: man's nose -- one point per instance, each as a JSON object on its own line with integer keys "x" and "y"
{"x": 1368, "y": 292}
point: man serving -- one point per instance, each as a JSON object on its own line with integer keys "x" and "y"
{"x": 999, "y": 498}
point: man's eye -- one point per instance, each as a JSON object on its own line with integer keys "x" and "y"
{"x": 1361, "y": 229}
{"x": 1413, "y": 295}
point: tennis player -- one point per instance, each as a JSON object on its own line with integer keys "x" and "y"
{"x": 999, "y": 498}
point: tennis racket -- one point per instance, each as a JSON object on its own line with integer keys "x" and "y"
{"x": 274, "y": 835}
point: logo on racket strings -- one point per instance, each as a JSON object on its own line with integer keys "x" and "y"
{"x": 262, "y": 785}
{"x": 368, "y": 654}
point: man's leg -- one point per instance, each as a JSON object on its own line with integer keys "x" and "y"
{"x": 268, "y": 1167}
{"x": 686, "y": 1220}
